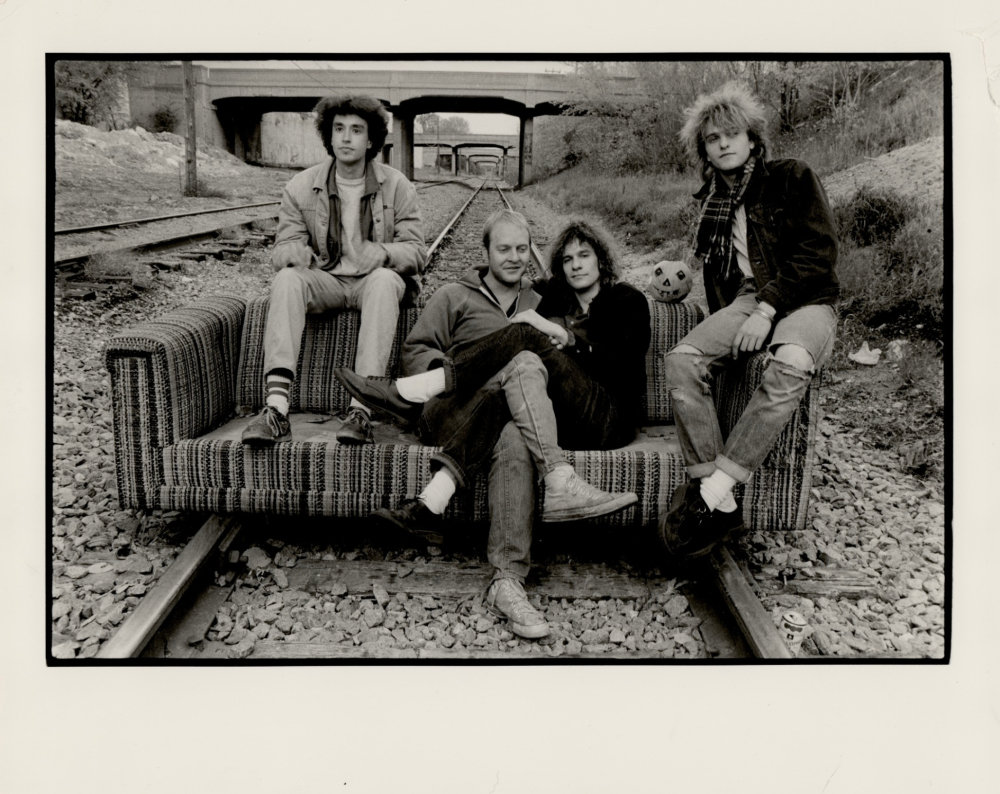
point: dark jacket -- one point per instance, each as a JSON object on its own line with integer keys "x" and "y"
{"x": 791, "y": 236}
{"x": 612, "y": 347}
{"x": 456, "y": 314}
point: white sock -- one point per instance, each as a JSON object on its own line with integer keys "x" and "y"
{"x": 717, "y": 491}
{"x": 438, "y": 492}
{"x": 420, "y": 388}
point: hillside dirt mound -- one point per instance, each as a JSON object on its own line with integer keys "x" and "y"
{"x": 915, "y": 172}
{"x": 133, "y": 173}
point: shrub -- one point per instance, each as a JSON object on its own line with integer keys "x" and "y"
{"x": 872, "y": 215}
{"x": 164, "y": 120}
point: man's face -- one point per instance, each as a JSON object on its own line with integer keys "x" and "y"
{"x": 580, "y": 265}
{"x": 350, "y": 139}
{"x": 510, "y": 247}
{"x": 727, "y": 151}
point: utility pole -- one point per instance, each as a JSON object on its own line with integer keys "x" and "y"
{"x": 190, "y": 143}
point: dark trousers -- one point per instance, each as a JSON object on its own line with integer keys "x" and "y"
{"x": 466, "y": 421}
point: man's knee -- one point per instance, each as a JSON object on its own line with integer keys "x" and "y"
{"x": 529, "y": 364}
{"x": 683, "y": 362}
{"x": 795, "y": 356}
{"x": 511, "y": 447}
{"x": 384, "y": 281}
{"x": 287, "y": 280}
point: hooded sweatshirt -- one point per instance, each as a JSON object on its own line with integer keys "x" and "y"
{"x": 457, "y": 313}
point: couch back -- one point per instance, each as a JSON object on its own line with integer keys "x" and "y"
{"x": 330, "y": 341}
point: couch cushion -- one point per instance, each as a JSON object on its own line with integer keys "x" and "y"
{"x": 314, "y": 475}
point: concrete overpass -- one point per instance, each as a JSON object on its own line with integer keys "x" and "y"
{"x": 230, "y": 102}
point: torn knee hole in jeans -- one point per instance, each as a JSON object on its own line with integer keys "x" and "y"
{"x": 787, "y": 369}
{"x": 701, "y": 367}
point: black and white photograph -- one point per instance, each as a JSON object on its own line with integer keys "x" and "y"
{"x": 452, "y": 398}
{"x": 596, "y": 360}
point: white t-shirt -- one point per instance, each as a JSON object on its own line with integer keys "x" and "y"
{"x": 740, "y": 241}
{"x": 350, "y": 191}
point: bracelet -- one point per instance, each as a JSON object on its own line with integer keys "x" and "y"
{"x": 764, "y": 314}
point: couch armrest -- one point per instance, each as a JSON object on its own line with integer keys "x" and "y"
{"x": 784, "y": 478}
{"x": 171, "y": 378}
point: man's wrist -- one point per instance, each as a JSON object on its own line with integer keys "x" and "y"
{"x": 766, "y": 310}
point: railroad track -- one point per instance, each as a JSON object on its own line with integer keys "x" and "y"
{"x": 151, "y": 235}
{"x": 174, "y": 618}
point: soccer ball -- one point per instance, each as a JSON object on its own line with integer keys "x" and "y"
{"x": 670, "y": 281}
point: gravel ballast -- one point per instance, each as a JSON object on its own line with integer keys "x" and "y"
{"x": 867, "y": 518}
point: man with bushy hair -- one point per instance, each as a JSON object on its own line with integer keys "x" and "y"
{"x": 349, "y": 236}
{"x": 766, "y": 240}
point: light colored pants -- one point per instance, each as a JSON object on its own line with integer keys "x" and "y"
{"x": 812, "y": 328}
{"x": 296, "y": 292}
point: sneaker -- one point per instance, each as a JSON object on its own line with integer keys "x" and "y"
{"x": 690, "y": 530}
{"x": 267, "y": 427}
{"x": 413, "y": 518}
{"x": 380, "y": 393}
{"x": 577, "y": 499}
{"x": 507, "y": 599}
{"x": 357, "y": 428}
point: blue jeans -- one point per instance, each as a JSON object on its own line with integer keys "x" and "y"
{"x": 512, "y": 496}
{"x": 773, "y": 403}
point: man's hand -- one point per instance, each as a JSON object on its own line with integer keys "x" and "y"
{"x": 752, "y": 334}
{"x": 370, "y": 256}
{"x": 555, "y": 332}
{"x": 291, "y": 255}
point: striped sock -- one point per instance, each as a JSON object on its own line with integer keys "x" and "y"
{"x": 278, "y": 388}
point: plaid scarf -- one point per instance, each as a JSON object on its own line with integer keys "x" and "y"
{"x": 715, "y": 227}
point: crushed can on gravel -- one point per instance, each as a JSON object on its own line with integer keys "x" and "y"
{"x": 793, "y": 630}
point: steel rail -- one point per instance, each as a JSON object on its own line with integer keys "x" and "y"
{"x": 98, "y": 227}
{"x": 218, "y": 533}
{"x": 451, "y": 223}
{"x": 534, "y": 248}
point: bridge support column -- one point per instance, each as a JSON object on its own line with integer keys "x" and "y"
{"x": 386, "y": 153}
{"x": 454, "y": 161}
{"x": 402, "y": 144}
{"x": 524, "y": 152}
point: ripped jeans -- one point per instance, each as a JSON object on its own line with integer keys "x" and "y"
{"x": 812, "y": 328}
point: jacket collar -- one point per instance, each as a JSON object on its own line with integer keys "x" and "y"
{"x": 753, "y": 189}
{"x": 472, "y": 279}
{"x": 374, "y": 177}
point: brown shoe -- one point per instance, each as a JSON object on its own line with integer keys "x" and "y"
{"x": 380, "y": 393}
{"x": 267, "y": 428}
{"x": 357, "y": 428}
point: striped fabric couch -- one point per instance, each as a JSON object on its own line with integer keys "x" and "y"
{"x": 184, "y": 384}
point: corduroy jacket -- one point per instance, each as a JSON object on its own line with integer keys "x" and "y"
{"x": 791, "y": 237}
{"x": 310, "y": 215}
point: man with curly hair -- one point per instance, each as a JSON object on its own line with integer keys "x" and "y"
{"x": 349, "y": 236}
{"x": 767, "y": 243}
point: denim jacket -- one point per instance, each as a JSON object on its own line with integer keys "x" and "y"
{"x": 310, "y": 215}
{"x": 791, "y": 237}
